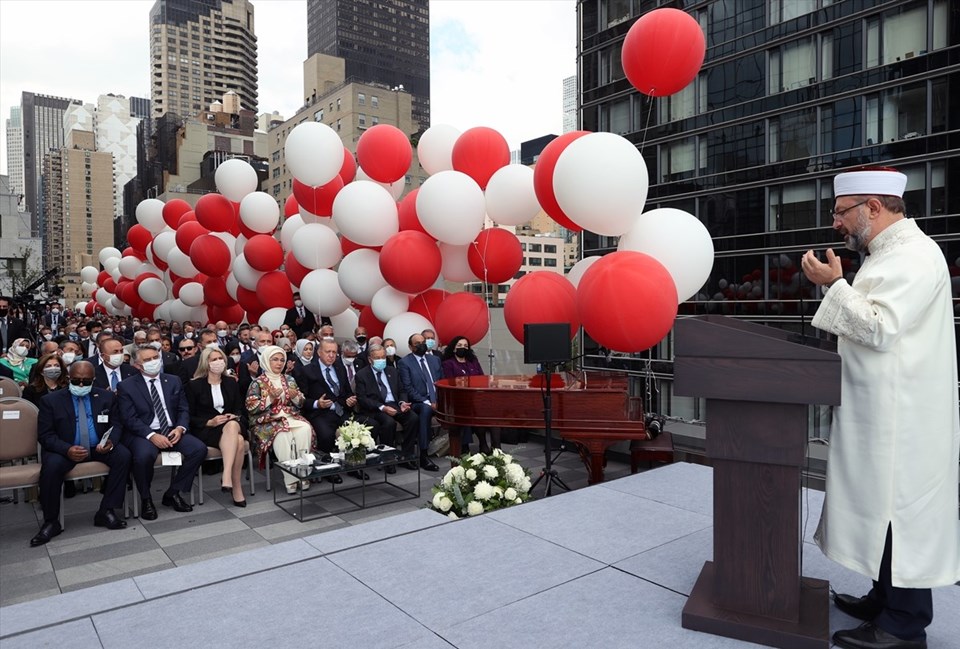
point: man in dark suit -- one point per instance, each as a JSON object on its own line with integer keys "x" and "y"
{"x": 90, "y": 351}
{"x": 10, "y": 328}
{"x": 70, "y": 430}
{"x": 223, "y": 334}
{"x": 54, "y": 320}
{"x": 299, "y": 318}
{"x": 382, "y": 401}
{"x": 190, "y": 350}
{"x": 249, "y": 367}
{"x": 171, "y": 361}
{"x": 112, "y": 369}
{"x": 418, "y": 373}
{"x": 155, "y": 417}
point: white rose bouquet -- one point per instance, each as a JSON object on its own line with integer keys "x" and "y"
{"x": 354, "y": 440}
{"x": 481, "y": 483}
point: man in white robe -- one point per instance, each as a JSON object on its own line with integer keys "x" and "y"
{"x": 891, "y": 498}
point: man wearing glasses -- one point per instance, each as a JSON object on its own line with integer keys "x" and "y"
{"x": 891, "y": 498}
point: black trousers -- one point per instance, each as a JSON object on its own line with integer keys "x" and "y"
{"x": 144, "y": 455}
{"x": 907, "y": 612}
{"x": 385, "y": 427}
{"x": 53, "y": 467}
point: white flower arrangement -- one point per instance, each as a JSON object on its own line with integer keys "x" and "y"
{"x": 354, "y": 439}
{"x": 481, "y": 483}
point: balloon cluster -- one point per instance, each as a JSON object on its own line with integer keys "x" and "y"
{"x": 358, "y": 256}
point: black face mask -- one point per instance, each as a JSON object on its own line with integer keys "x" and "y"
{"x": 3, "y": 313}
{"x": 462, "y": 352}
{"x": 361, "y": 340}
{"x": 420, "y": 349}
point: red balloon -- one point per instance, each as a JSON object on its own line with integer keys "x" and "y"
{"x": 627, "y": 325}
{"x": 186, "y": 217}
{"x": 384, "y": 153}
{"x": 543, "y": 178}
{"x": 541, "y": 297}
{"x": 349, "y": 246}
{"x": 102, "y": 277}
{"x": 427, "y": 302}
{"x": 663, "y": 52}
{"x": 495, "y": 255}
{"x": 263, "y": 253}
{"x": 273, "y": 290}
{"x": 173, "y": 210}
{"x": 407, "y": 213}
{"x": 187, "y": 233}
{"x": 462, "y": 314}
{"x": 215, "y": 293}
{"x": 248, "y": 300}
{"x": 410, "y": 261}
{"x": 232, "y": 313}
{"x": 178, "y": 284}
{"x": 215, "y": 213}
{"x": 156, "y": 261}
{"x": 479, "y": 152}
{"x": 110, "y": 285}
{"x": 210, "y": 255}
{"x": 317, "y": 200}
{"x": 295, "y": 271}
{"x": 291, "y": 207}
{"x": 348, "y": 170}
{"x": 369, "y": 321}
{"x": 139, "y": 238}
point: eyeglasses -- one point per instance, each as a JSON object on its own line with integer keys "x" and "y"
{"x": 838, "y": 214}
{"x": 81, "y": 382}
{"x": 186, "y": 349}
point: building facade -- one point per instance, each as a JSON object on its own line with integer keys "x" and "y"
{"x": 199, "y": 50}
{"x": 386, "y": 43}
{"x": 790, "y": 93}
{"x": 570, "y": 104}
{"x": 20, "y": 250}
{"x": 14, "y": 132}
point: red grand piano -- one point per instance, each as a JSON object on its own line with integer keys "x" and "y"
{"x": 593, "y": 410}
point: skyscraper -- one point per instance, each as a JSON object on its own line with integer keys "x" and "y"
{"x": 199, "y": 50}
{"x": 15, "y": 157}
{"x": 385, "y": 42}
{"x": 570, "y": 104}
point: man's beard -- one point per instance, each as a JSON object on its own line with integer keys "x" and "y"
{"x": 856, "y": 239}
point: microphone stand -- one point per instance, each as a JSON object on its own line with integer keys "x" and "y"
{"x": 548, "y": 472}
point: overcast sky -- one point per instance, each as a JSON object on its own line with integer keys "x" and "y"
{"x": 496, "y": 63}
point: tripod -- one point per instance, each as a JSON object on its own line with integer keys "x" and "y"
{"x": 548, "y": 472}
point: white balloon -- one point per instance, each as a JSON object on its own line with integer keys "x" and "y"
{"x": 88, "y": 287}
{"x": 80, "y": 306}
{"x": 389, "y": 303}
{"x": 109, "y": 253}
{"x": 366, "y": 213}
{"x": 163, "y": 244}
{"x": 272, "y": 318}
{"x": 115, "y": 273}
{"x": 395, "y": 188}
{"x": 246, "y": 275}
{"x": 232, "y": 285}
{"x": 180, "y": 311}
{"x": 103, "y": 296}
{"x": 191, "y": 294}
{"x": 150, "y": 215}
{"x": 164, "y": 311}
{"x": 451, "y": 207}
{"x": 359, "y": 275}
{"x": 601, "y": 182}
{"x": 288, "y": 230}
{"x": 259, "y": 212}
{"x": 180, "y": 263}
{"x": 317, "y": 246}
{"x": 679, "y": 241}
{"x": 321, "y": 292}
{"x": 402, "y": 326}
{"x": 511, "y": 199}
{"x": 116, "y": 303}
{"x": 129, "y": 267}
{"x": 313, "y": 153}
{"x": 580, "y": 268}
{"x": 89, "y": 274}
{"x": 435, "y": 148}
{"x": 235, "y": 178}
{"x": 152, "y": 290}
{"x": 231, "y": 241}
{"x": 455, "y": 267}
{"x": 345, "y": 322}
{"x": 147, "y": 268}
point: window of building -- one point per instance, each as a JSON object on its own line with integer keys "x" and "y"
{"x": 338, "y": 124}
{"x": 793, "y": 135}
{"x": 735, "y": 81}
{"x": 549, "y": 248}
{"x": 276, "y": 172}
{"x": 898, "y": 34}
{"x": 361, "y": 119}
{"x": 840, "y": 125}
{"x": 678, "y": 160}
{"x": 615, "y": 116}
{"x": 680, "y": 105}
{"x": 535, "y": 261}
{"x": 408, "y": 180}
{"x": 613, "y": 12}
{"x": 318, "y": 116}
{"x": 896, "y": 114}
{"x": 361, "y": 99}
{"x": 840, "y": 51}
{"x": 374, "y": 120}
{"x": 736, "y": 147}
{"x": 338, "y": 103}
{"x": 550, "y": 262}
{"x": 535, "y": 247}
{"x": 792, "y": 66}
{"x": 793, "y": 207}
{"x": 611, "y": 66}
{"x": 374, "y": 101}
{"x": 784, "y": 10}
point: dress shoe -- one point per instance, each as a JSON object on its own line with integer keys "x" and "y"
{"x": 239, "y": 503}
{"x": 47, "y": 532}
{"x": 69, "y": 490}
{"x": 413, "y": 466}
{"x": 226, "y": 490}
{"x": 335, "y": 479}
{"x": 148, "y": 511}
{"x": 426, "y": 464}
{"x": 862, "y": 608}
{"x": 108, "y": 518}
{"x": 870, "y": 636}
{"x": 176, "y": 501}
{"x": 359, "y": 475}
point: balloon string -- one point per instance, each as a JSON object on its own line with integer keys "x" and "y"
{"x": 486, "y": 295}
{"x": 646, "y": 127}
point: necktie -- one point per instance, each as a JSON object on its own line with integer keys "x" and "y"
{"x": 114, "y": 380}
{"x": 82, "y": 422}
{"x": 300, "y": 311}
{"x": 3, "y": 334}
{"x": 383, "y": 386}
{"x": 350, "y": 374}
{"x": 429, "y": 379}
{"x": 332, "y": 381}
{"x": 158, "y": 407}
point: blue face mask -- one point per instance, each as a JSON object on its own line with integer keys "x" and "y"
{"x": 431, "y": 343}
{"x": 380, "y": 364}
{"x": 80, "y": 390}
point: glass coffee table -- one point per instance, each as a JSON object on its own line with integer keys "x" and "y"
{"x": 377, "y": 465}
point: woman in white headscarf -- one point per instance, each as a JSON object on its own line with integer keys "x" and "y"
{"x": 273, "y": 403}
{"x": 16, "y": 359}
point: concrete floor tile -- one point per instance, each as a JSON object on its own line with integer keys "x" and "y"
{"x": 103, "y": 552}
{"x": 78, "y": 634}
{"x": 199, "y": 532}
{"x": 68, "y": 606}
{"x": 97, "y": 571}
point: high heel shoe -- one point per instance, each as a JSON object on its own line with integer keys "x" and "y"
{"x": 226, "y": 490}
{"x": 240, "y": 503}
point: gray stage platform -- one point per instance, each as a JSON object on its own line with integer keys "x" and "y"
{"x": 605, "y": 566}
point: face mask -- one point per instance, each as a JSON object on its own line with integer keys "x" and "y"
{"x": 391, "y": 350}
{"x": 52, "y": 372}
{"x": 189, "y": 334}
{"x": 298, "y": 303}
{"x": 136, "y": 325}
{"x": 461, "y": 352}
{"x": 221, "y": 333}
{"x": 217, "y": 367}
{"x": 420, "y": 349}
{"x": 48, "y": 336}
{"x": 114, "y": 360}
{"x": 234, "y": 332}
{"x": 152, "y": 368}
{"x": 80, "y": 390}
{"x": 348, "y": 362}
{"x": 431, "y": 343}
{"x": 19, "y": 350}
{"x": 108, "y": 331}
{"x": 68, "y": 357}
{"x": 3, "y": 313}
{"x": 213, "y": 346}
{"x": 73, "y": 335}
{"x": 361, "y": 339}
{"x": 235, "y": 357}
{"x": 380, "y": 364}
{"x": 156, "y": 344}
{"x": 55, "y": 311}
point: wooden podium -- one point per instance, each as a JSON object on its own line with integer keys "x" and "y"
{"x": 758, "y": 382}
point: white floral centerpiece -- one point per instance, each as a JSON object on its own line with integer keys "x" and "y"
{"x": 354, "y": 440}
{"x": 481, "y": 483}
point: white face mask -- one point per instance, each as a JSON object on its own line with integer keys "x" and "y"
{"x": 221, "y": 333}
{"x": 152, "y": 368}
{"x": 391, "y": 351}
{"x": 217, "y": 366}
{"x": 68, "y": 357}
{"x": 156, "y": 344}
{"x": 48, "y": 336}
{"x": 298, "y": 303}
{"x": 114, "y": 360}
{"x": 19, "y": 350}
{"x": 108, "y": 331}
{"x": 55, "y": 311}
{"x": 235, "y": 357}
{"x": 189, "y": 334}
{"x": 213, "y": 346}
{"x": 348, "y": 362}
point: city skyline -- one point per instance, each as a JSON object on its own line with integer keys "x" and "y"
{"x": 475, "y": 78}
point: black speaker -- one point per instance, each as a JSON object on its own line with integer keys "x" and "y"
{"x": 547, "y": 342}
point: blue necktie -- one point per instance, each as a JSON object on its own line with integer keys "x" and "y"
{"x": 113, "y": 379}
{"x": 431, "y": 391}
{"x": 158, "y": 408}
{"x": 82, "y": 423}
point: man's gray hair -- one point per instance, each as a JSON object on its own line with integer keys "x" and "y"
{"x": 350, "y": 346}
{"x": 373, "y": 348}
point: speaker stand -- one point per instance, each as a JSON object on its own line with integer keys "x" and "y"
{"x": 548, "y": 473}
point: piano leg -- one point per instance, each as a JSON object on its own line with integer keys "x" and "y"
{"x": 593, "y": 454}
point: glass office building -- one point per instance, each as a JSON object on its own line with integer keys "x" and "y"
{"x": 791, "y": 92}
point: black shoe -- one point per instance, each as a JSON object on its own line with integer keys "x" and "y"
{"x": 239, "y": 503}
{"x": 47, "y": 532}
{"x": 335, "y": 479}
{"x": 108, "y": 518}
{"x": 862, "y": 608}
{"x": 176, "y": 501}
{"x": 413, "y": 466}
{"x": 426, "y": 464}
{"x": 870, "y": 636}
{"x": 359, "y": 475}
{"x": 148, "y": 511}
{"x": 69, "y": 491}
{"x": 226, "y": 490}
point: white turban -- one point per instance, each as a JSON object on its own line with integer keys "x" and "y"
{"x": 881, "y": 182}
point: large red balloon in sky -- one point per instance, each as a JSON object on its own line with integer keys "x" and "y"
{"x": 139, "y": 237}
{"x": 495, "y": 255}
{"x": 317, "y": 200}
{"x": 263, "y": 253}
{"x": 627, "y": 301}
{"x": 215, "y": 212}
{"x": 663, "y": 51}
{"x": 479, "y": 152}
{"x": 369, "y": 321}
{"x": 273, "y": 290}
{"x": 543, "y": 178}
{"x": 173, "y": 210}
{"x": 187, "y": 233}
{"x": 541, "y": 297}
{"x": 384, "y": 153}
{"x": 426, "y": 303}
{"x": 462, "y": 314}
{"x": 210, "y": 255}
{"x": 410, "y": 261}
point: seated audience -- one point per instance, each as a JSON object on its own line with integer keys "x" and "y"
{"x": 418, "y": 373}
{"x": 390, "y": 346}
{"x": 459, "y": 360}
{"x": 111, "y": 370}
{"x": 52, "y": 375}
{"x": 381, "y": 401}
{"x": 18, "y": 361}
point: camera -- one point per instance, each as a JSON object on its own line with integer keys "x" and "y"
{"x": 654, "y": 424}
